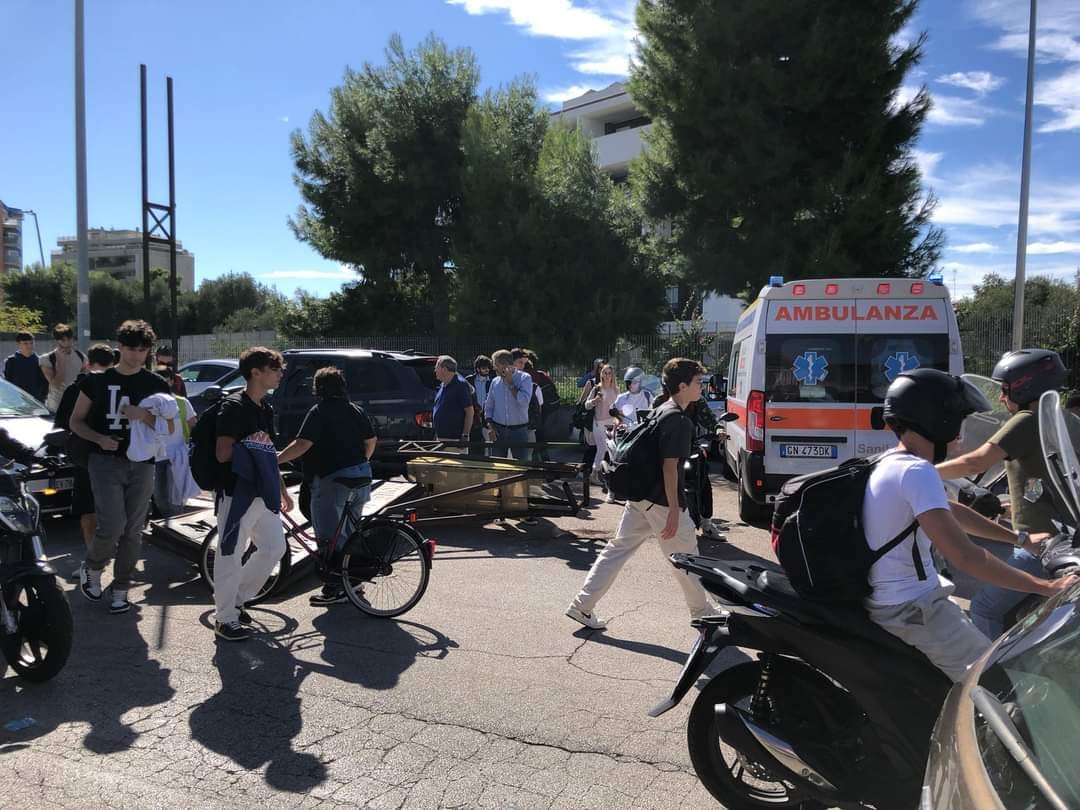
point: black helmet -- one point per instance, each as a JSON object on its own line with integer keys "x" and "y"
{"x": 1028, "y": 373}
{"x": 933, "y": 403}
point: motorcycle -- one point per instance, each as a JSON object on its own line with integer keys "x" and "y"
{"x": 35, "y": 617}
{"x": 834, "y": 711}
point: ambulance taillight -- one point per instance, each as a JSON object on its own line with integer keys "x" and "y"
{"x": 832, "y": 289}
{"x": 755, "y": 422}
{"x": 917, "y": 288}
{"x": 883, "y": 289}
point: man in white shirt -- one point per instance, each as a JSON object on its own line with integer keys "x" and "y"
{"x": 925, "y": 409}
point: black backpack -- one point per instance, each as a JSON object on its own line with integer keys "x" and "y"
{"x": 205, "y": 468}
{"x": 819, "y": 538}
{"x": 635, "y": 469}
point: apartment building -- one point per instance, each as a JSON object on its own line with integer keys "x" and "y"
{"x": 11, "y": 259}
{"x": 119, "y": 253}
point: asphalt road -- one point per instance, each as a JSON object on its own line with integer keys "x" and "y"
{"x": 484, "y": 695}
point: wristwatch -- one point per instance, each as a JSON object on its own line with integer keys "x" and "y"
{"x": 1021, "y": 538}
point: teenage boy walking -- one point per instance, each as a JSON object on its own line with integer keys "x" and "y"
{"x": 102, "y": 415}
{"x": 23, "y": 367}
{"x": 251, "y": 493}
{"x": 62, "y": 366}
{"x": 663, "y": 513}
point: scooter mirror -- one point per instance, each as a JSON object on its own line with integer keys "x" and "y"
{"x": 728, "y": 416}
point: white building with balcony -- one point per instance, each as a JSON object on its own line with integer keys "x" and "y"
{"x": 119, "y": 253}
{"x": 616, "y": 125}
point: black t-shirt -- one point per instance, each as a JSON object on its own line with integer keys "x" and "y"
{"x": 239, "y": 417}
{"x": 110, "y": 391}
{"x": 674, "y": 434}
{"x": 337, "y": 430}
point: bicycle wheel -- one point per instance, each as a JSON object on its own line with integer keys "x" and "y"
{"x": 277, "y": 575}
{"x": 385, "y": 568}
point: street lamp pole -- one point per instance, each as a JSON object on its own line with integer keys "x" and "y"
{"x": 1025, "y": 190}
{"x": 82, "y": 308}
{"x": 36, "y": 228}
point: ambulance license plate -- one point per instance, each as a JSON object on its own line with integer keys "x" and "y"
{"x": 808, "y": 451}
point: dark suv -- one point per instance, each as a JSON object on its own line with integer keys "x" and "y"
{"x": 396, "y": 390}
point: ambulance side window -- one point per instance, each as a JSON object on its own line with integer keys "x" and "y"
{"x": 882, "y": 357}
{"x": 740, "y": 367}
{"x": 810, "y": 368}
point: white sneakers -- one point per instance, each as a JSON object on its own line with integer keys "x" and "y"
{"x": 90, "y": 583}
{"x": 587, "y": 619}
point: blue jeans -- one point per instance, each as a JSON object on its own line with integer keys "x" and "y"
{"x": 328, "y": 502}
{"x": 506, "y": 436}
{"x": 991, "y": 602}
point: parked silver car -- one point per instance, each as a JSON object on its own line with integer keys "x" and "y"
{"x": 201, "y": 374}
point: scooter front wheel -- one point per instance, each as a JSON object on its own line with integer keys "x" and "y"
{"x": 735, "y": 781}
{"x": 41, "y": 643}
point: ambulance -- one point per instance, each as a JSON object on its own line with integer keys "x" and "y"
{"x": 810, "y": 364}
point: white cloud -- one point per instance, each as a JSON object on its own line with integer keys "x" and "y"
{"x": 980, "y": 82}
{"x": 342, "y": 273}
{"x": 1048, "y": 248}
{"x": 1062, "y": 95}
{"x": 949, "y": 111}
{"x": 927, "y": 163}
{"x": 607, "y": 26}
{"x": 565, "y": 93}
{"x": 975, "y": 247}
{"x": 284, "y": 119}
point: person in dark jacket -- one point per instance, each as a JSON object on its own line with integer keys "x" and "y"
{"x": 23, "y": 367}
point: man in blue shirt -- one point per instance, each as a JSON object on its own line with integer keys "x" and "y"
{"x": 453, "y": 413}
{"x": 506, "y": 409}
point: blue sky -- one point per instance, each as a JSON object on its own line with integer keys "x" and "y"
{"x": 246, "y": 74}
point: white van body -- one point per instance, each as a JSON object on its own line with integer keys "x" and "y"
{"x": 810, "y": 364}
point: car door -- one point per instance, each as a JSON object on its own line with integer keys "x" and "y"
{"x": 374, "y": 384}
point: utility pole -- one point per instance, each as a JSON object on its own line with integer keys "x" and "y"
{"x": 1025, "y": 190}
{"x": 82, "y": 308}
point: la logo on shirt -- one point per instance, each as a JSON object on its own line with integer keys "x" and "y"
{"x": 116, "y": 404}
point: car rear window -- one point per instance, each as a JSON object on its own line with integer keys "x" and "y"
{"x": 425, "y": 370}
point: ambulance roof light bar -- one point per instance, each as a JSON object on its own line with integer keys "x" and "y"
{"x": 936, "y": 278}
{"x": 776, "y": 281}
{"x": 832, "y": 289}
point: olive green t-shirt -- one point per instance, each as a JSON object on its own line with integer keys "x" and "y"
{"x": 1025, "y": 467}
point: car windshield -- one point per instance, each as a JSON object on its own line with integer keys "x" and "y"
{"x": 1034, "y": 676}
{"x": 16, "y": 402}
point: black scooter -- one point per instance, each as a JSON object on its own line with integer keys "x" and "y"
{"x": 35, "y": 617}
{"x": 834, "y": 711}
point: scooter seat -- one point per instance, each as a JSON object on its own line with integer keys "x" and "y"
{"x": 776, "y": 590}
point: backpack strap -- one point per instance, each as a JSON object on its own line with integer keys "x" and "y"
{"x": 885, "y": 549}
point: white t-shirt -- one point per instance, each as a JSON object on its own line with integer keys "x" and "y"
{"x": 901, "y": 487}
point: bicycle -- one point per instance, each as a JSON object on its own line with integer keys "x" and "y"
{"x": 385, "y": 564}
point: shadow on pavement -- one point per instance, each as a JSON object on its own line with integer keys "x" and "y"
{"x": 110, "y": 672}
{"x": 255, "y": 716}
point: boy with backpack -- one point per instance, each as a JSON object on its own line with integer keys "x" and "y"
{"x": 650, "y": 478}
{"x": 249, "y": 492}
{"x": 62, "y": 365}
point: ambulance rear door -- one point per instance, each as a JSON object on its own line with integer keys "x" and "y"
{"x": 895, "y": 335}
{"x": 809, "y": 386}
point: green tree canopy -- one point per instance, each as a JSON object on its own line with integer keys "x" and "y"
{"x": 381, "y": 173}
{"x": 779, "y": 144}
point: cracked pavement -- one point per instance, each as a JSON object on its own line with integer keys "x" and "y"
{"x": 483, "y": 696}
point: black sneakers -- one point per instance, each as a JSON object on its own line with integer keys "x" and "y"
{"x": 330, "y": 595}
{"x": 232, "y": 631}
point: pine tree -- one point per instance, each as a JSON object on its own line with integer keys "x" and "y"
{"x": 780, "y": 145}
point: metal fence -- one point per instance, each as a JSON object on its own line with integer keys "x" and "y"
{"x": 986, "y": 337}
